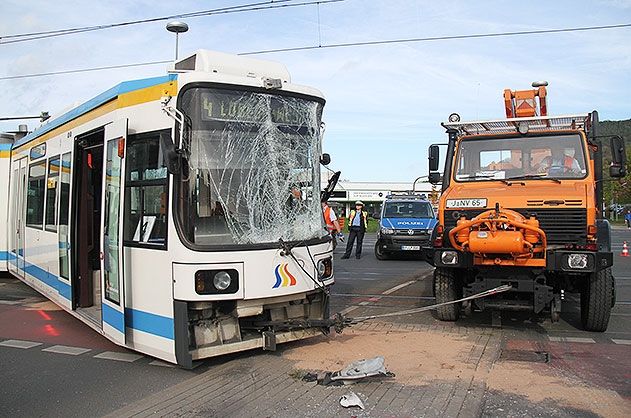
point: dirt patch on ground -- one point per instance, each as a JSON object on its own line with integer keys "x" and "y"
{"x": 416, "y": 358}
{"x": 538, "y": 382}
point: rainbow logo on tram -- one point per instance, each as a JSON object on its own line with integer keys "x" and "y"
{"x": 283, "y": 277}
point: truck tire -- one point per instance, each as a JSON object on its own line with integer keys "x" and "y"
{"x": 379, "y": 253}
{"x": 447, "y": 288}
{"x": 596, "y": 300}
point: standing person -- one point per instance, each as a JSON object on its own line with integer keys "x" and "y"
{"x": 627, "y": 219}
{"x": 357, "y": 222}
{"x": 332, "y": 224}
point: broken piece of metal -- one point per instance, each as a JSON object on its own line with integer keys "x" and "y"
{"x": 361, "y": 369}
{"x": 351, "y": 399}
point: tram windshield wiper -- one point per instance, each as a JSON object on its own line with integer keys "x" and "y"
{"x": 543, "y": 176}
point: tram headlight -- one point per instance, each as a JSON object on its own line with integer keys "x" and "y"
{"x": 213, "y": 282}
{"x": 222, "y": 280}
{"x": 325, "y": 269}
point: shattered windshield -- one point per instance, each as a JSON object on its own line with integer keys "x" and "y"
{"x": 253, "y": 168}
{"x": 533, "y": 158}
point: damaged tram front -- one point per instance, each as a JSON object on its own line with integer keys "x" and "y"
{"x": 253, "y": 263}
{"x": 183, "y": 216}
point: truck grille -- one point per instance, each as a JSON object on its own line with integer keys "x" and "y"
{"x": 560, "y": 225}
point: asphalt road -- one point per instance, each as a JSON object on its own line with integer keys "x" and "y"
{"x": 43, "y": 381}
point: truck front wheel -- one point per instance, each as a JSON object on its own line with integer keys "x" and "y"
{"x": 446, "y": 289}
{"x": 596, "y": 301}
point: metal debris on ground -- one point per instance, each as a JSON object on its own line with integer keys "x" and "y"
{"x": 361, "y": 369}
{"x": 350, "y": 400}
{"x": 356, "y": 371}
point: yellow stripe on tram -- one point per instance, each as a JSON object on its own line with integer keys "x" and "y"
{"x": 131, "y": 98}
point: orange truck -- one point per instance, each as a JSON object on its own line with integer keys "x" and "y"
{"x": 522, "y": 204}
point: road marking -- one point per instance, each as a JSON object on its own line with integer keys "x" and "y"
{"x": 64, "y": 349}
{"x": 401, "y": 286}
{"x": 118, "y": 356}
{"x": 19, "y": 344}
{"x": 624, "y": 342}
{"x": 385, "y": 293}
{"x": 572, "y": 340}
{"x": 161, "y": 363}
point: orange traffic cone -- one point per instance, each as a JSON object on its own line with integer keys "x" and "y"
{"x": 625, "y": 250}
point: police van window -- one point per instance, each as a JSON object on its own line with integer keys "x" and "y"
{"x": 408, "y": 210}
{"x": 146, "y": 192}
{"x": 52, "y": 190}
{"x": 35, "y": 195}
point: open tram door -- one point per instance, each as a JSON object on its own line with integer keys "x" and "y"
{"x": 112, "y": 282}
{"x": 18, "y": 212}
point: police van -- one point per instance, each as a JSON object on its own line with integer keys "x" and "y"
{"x": 405, "y": 226}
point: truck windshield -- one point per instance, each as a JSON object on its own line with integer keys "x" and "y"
{"x": 532, "y": 158}
{"x": 407, "y": 210}
{"x": 253, "y": 168}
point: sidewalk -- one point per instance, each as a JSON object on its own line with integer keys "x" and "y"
{"x": 440, "y": 371}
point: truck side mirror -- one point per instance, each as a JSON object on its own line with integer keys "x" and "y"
{"x": 325, "y": 159}
{"x": 433, "y": 155}
{"x": 434, "y": 177}
{"x": 618, "y": 166}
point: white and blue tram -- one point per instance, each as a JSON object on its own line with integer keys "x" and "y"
{"x": 179, "y": 216}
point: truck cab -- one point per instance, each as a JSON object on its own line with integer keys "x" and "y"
{"x": 405, "y": 225}
{"x": 522, "y": 205}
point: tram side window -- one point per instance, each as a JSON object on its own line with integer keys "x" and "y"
{"x": 35, "y": 195}
{"x": 52, "y": 187}
{"x": 146, "y": 192}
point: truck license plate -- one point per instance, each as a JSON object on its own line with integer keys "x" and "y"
{"x": 466, "y": 203}
{"x": 410, "y": 247}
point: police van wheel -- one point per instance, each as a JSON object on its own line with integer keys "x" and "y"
{"x": 446, "y": 289}
{"x": 596, "y": 298}
{"x": 380, "y": 253}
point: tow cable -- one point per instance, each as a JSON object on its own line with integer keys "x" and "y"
{"x": 339, "y": 321}
{"x": 490, "y": 292}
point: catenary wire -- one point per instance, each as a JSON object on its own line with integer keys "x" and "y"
{"x": 273, "y": 4}
{"x": 342, "y": 45}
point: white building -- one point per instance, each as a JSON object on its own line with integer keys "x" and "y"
{"x": 346, "y": 193}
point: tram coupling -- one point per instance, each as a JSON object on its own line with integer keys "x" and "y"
{"x": 338, "y": 323}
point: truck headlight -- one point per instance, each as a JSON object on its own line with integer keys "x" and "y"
{"x": 577, "y": 261}
{"x": 387, "y": 231}
{"x": 449, "y": 257}
{"x": 325, "y": 269}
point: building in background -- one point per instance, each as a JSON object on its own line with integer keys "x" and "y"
{"x": 346, "y": 193}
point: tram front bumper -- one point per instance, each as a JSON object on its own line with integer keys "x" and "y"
{"x": 282, "y": 337}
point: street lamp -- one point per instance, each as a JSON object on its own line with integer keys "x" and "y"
{"x": 177, "y": 28}
{"x": 43, "y": 117}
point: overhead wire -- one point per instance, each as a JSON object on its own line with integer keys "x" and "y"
{"x": 266, "y": 5}
{"x": 439, "y": 38}
{"x": 351, "y": 44}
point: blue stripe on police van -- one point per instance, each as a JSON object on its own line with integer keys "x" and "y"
{"x": 113, "y": 317}
{"x": 4, "y": 255}
{"x": 150, "y": 323}
{"x": 95, "y": 102}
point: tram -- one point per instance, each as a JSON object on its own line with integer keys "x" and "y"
{"x": 179, "y": 215}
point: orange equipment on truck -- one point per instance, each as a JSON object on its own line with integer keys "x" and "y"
{"x": 522, "y": 205}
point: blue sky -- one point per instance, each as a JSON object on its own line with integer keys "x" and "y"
{"x": 384, "y": 103}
